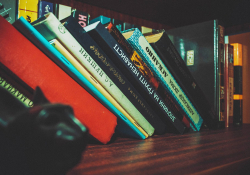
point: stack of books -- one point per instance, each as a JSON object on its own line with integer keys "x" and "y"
{"x": 125, "y": 82}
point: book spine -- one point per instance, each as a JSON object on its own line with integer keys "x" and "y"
{"x": 81, "y": 17}
{"x": 80, "y": 75}
{"x": 120, "y": 58}
{"x": 229, "y": 83}
{"x": 119, "y": 111}
{"x": 221, "y": 48}
{"x": 28, "y": 9}
{"x": 144, "y": 69}
{"x": 147, "y": 53}
{"x": 51, "y": 28}
{"x": 173, "y": 61}
{"x": 238, "y": 93}
{"x": 44, "y": 7}
{"x": 15, "y": 92}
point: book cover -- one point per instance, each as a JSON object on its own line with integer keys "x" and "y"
{"x": 238, "y": 93}
{"x": 37, "y": 39}
{"x": 28, "y": 9}
{"x": 126, "y": 124}
{"x": 106, "y": 64}
{"x": 120, "y": 58}
{"x": 202, "y": 52}
{"x": 153, "y": 61}
{"x": 50, "y": 27}
{"x": 44, "y": 7}
{"x": 81, "y": 17}
{"x": 229, "y": 83}
{"x": 26, "y": 61}
{"x": 8, "y": 10}
{"x": 145, "y": 70}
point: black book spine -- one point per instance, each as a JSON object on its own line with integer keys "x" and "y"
{"x": 173, "y": 61}
{"x": 149, "y": 75}
{"x": 144, "y": 87}
{"x": 115, "y": 75}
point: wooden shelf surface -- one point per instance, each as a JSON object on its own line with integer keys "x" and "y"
{"x": 224, "y": 151}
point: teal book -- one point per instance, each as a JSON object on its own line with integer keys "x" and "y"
{"x": 124, "y": 125}
{"x": 153, "y": 61}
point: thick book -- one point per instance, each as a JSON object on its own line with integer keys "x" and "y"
{"x": 238, "y": 91}
{"x": 197, "y": 54}
{"x": 81, "y": 17}
{"x": 165, "y": 77}
{"x": 26, "y": 61}
{"x": 120, "y": 112}
{"x": 107, "y": 65}
{"x": 28, "y": 9}
{"x": 145, "y": 70}
{"x": 45, "y": 7}
{"x": 79, "y": 75}
{"x": 51, "y": 28}
{"x": 8, "y": 10}
{"x": 229, "y": 83}
{"x": 121, "y": 59}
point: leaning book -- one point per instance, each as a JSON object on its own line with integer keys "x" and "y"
{"x": 17, "y": 54}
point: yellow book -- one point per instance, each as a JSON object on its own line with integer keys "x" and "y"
{"x": 95, "y": 83}
{"x": 28, "y": 9}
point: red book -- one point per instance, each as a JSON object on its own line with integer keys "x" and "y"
{"x": 32, "y": 66}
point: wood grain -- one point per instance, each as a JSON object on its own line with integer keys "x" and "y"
{"x": 225, "y": 151}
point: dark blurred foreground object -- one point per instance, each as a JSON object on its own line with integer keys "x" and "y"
{"x": 45, "y": 139}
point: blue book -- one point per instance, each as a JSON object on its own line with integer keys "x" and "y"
{"x": 153, "y": 61}
{"x": 124, "y": 125}
{"x": 44, "y": 7}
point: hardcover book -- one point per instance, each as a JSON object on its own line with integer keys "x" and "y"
{"x": 120, "y": 58}
{"x": 115, "y": 74}
{"x": 153, "y": 61}
{"x": 33, "y": 67}
{"x": 229, "y": 83}
{"x": 238, "y": 94}
{"x": 28, "y": 9}
{"x": 201, "y": 46}
{"x": 51, "y": 28}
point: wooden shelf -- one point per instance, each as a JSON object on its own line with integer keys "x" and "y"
{"x": 225, "y": 151}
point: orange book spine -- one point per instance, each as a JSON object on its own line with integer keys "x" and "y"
{"x": 32, "y": 66}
